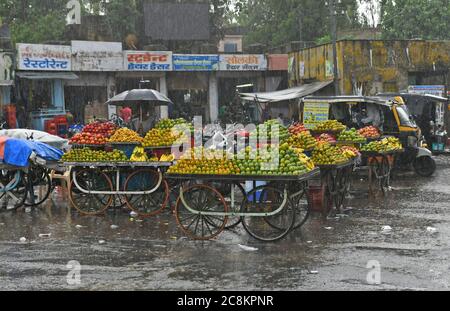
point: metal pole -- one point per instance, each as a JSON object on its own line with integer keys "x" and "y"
{"x": 332, "y": 7}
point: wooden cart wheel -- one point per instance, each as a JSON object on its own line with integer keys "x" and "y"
{"x": 146, "y": 205}
{"x": 87, "y": 203}
{"x": 41, "y": 186}
{"x": 12, "y": 199}
{"x": 300, "y": 202}
{"x": 234, "y": 195}
{"x": 327, "y": 199}
{"x": 343, "y": 183}
{"x": 382, "y": 173}
{"x": 119, "y": 201}
{"x": 268, "y": 228}
{"x": 201, "y": 198}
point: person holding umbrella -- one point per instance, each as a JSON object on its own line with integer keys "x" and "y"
{"x": 137, "y": 99}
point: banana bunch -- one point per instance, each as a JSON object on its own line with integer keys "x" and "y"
{"x": 392, "y": 143}
{"x": 349, "y": 154}
{"x": 167, "y": 158}
{"x": 139, "y": 155}
{"x": 304, "y": 159}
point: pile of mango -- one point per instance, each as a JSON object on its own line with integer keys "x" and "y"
{"x": 88, "y": 155}
{"x": 386, "y": 145}
{"x": 162, "y": 138}
{"x": 125, "y": 135}
{"x": 330, "y": 125}
{"x": 326, "y": 154}
{"x": 303, "y": 140}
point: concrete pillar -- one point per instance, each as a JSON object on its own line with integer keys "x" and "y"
{"x": 110, "y": 93}
{"x": 5, "y": 95}
{"x": 58, "y": 94}
{"x": 164, "y": 110}
{"x": 213, "y": 97}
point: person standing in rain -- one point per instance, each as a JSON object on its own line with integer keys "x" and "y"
{"x": 126, "y": 114}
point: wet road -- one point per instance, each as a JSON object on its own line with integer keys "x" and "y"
{"x": 153, "y": 254}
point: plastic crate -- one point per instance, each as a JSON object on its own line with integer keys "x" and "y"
{"x": 51, "y": 127}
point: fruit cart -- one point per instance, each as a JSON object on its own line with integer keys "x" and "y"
{"x": 95, "y": 185}
{"x": 207, "y": 203}
{"x": 335, "y": 182}
{"x": 380, "y": 165}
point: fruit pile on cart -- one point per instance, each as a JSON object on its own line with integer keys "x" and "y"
{"x": 116, "y": 174}
{"x": 265, "y": 186}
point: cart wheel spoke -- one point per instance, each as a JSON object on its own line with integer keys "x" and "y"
{"x": 150, "y": 204}
{"x": 40, "y": 183}
{"x": 232, "y": 191}
{"x": 204, "y": 199}
{"x": 269, "y": 228}
{"x": 87, "y": 203}
{"x": 188, "y": 217}
{"x": 14, "y": 198}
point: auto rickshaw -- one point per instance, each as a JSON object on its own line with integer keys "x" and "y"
{"x": 429, "y": 114}
{"x": 391, "y": 116}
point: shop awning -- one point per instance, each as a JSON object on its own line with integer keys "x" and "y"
{"x": 6, "y": 83}
{"x": 47, "y": 75}
{"x": 288, "y": 94}
{"x": 384, "y": 101}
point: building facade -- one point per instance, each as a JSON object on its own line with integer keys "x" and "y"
{"x": 369, "y": 67}
{"x": 81, "y": 77}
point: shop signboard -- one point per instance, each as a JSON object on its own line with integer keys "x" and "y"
{"x": 314, "y": 113}
{"x": 97, "y": 56}
{"x": 436, "y": 90}
{"x": 147, "y": 61}
{"x": 43, "y": 57}
{"x": 192, "y": 62}
{"x": 6, "y": 68}
{"x": 243, "y": 62}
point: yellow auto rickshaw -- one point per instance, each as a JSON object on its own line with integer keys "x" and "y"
{"x": 390, "y": 115}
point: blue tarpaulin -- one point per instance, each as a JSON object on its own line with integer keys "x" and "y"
{"x": 18, "y": 152}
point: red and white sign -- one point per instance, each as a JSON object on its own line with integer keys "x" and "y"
{"x": 243, "y": 63}
{"x": 147, "y": 61}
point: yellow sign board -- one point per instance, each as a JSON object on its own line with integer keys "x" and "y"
{"x": 314, "y": 113}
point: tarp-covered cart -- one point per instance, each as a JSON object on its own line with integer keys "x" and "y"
{"x": 25, "y": 167}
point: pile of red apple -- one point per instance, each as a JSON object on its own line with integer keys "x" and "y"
{"x": 370, "y": 132}
{"x": 106, "y": 129}
{"x": 297, "y": 128}
{"x": 327, "y": 138}
{"x": 88, "y": 139}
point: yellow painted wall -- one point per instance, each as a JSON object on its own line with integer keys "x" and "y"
{"x": 376, "y": 65}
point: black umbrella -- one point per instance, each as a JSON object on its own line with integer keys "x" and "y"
{"x": 139, "y": 97}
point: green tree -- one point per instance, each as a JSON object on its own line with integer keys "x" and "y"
{"x": 37, "y": 21}
{"x": 275, "y": 22}
{"x": 410, "y": 19}
{"x": 34, "y": 20}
